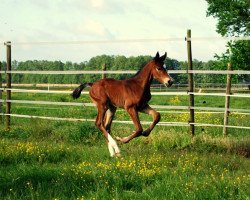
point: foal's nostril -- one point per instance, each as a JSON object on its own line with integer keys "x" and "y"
{"x": 170, "y": 82}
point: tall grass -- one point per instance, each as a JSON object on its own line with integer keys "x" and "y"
{"x": 42, "y": 159}
{"x": 59, "y": 160}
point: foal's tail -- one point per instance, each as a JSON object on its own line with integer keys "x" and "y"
{"x": 77, "y": 92}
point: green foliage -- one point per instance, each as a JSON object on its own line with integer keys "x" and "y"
{"x": 233, "y": 20}
{"x": 95, "y": 63}
{"x": 115, "y": 63}
{"x": 233, "y": 16}
{"x": 238, "y": 55}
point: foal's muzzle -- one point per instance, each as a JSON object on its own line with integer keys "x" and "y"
{"x": 169, "y": 83}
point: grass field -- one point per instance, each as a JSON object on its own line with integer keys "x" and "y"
{"x": 43, "y": 159}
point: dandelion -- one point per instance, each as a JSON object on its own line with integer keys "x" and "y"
{"x": 175, "y": 100}
{"x": 80, "y": 198}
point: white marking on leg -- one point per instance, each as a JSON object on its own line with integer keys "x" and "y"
{"x": 108, "y": 116}
{"x": 113, "y": 144}
{"x": 111, "y": 150}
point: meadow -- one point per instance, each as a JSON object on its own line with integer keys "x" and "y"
{"x": 43, "y": 159}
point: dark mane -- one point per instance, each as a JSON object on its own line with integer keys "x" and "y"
{"x": 138, "y": 72}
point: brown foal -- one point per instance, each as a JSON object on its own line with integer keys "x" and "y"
{"x": 131, "y": 94}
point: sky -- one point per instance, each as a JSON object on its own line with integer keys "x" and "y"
{"x": 69, "y": 23}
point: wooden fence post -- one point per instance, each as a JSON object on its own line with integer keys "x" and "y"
{"x": 227, "y": 100}
{"x": 190, "y": 82}
{"x": 1, "y": 96}
{"x": 8, "y": 85}
{"x": 103, "y": 69}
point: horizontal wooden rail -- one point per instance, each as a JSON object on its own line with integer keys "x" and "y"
{"x": 126, "y": 72}
{"x": 93, "y": 120}
{"x": 219, "y": 125}
{"x": 144, "y": 40}
{"x": 124, "y": 122}
{"x": 205, "y": 86}
{"x": 153, "y": 106}
{"x": 152, "y": 93}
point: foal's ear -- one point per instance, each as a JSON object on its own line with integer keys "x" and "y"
{"x": 157, "y": 56}
{"x": 162, "y": 58}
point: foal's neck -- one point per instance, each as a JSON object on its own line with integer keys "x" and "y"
{"x": 144, "y": 77}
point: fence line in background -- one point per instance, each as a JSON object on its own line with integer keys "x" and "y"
{"x": 80, "y": 42}
{"x": 153, "y": 106}
{"x": 237, "y": 72}
{"x": 190, "y": 93}
{"x": 175, "y": 86}
{"x": 152, "y": 93}
{"x": 93, "y": 120}
{"x": 70, "y": 72}
{"x": 242, "y": 111}
{"x": 247, "y": 112}
{"x": 218, "y": 125}
{"x": 125, "y": 122}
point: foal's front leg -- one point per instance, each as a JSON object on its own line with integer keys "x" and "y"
{"x": 156, "y": 118}
{"x": 138, "y": 128}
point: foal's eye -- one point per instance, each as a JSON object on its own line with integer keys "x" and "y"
{"x": 158, "y": 68}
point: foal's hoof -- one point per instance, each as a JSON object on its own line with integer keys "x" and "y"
{"x": 145, "y": 133}
{"x": 123, "y": 140}
{"x": 118, "y": 155}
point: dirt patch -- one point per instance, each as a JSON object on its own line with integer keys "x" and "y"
{"x": 243, "y": 152}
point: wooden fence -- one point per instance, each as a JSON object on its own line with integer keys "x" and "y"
{"x": 194, "y": 108}
{"x": 191, "y": 93}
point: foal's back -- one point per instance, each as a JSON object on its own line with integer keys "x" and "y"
{"x": 120, "y": 93}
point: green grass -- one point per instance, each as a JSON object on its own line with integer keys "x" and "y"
{"x": 42, "y": 159}
{"x": 71, "y": 161}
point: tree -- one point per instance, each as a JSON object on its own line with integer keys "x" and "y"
{"x": 233, "y": 20}
{"x": 233, "y": 16}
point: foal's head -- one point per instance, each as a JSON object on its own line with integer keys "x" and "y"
{"x": 159, "y": 72}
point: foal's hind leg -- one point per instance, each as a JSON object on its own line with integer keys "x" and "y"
{"x": 109, "y": 118}
{"x": 112, "y": 145}
{"x": 156, "y": 118}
